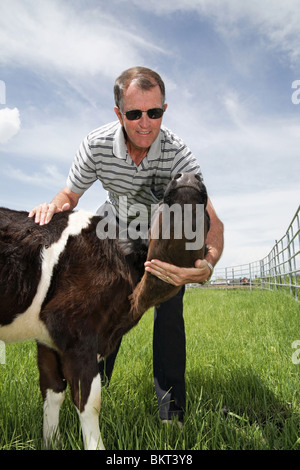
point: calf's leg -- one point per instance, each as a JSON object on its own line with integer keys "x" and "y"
{"x": 82, "y": 373}
{"x": 52, "y": 385}
{"x": 89, "y": 417}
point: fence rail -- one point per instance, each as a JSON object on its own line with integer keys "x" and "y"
{"x": 280, "y": 269}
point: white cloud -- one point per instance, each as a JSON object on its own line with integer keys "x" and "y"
{"x": 54, "y": 35}
{"x": 48, "y": 141}
{"x": 278, "y": 22}
{"x": 10, "y": 124}
{"x": 49, "y": 176}
{"x": 239, "y": 149}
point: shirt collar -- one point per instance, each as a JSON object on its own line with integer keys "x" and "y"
{"x": 119, "y": 145}
{"x": 120, "y": 149}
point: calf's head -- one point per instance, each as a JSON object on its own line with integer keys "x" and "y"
{"x": 177, "y": 236}
{"x": 181, "y": 222}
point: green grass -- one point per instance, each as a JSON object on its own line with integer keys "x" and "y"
{"x": 242, "y": 385}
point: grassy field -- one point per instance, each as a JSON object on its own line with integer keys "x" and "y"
{"x": 242, "y": 384}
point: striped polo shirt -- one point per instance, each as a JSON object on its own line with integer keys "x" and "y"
{"x": 103, "y": 155}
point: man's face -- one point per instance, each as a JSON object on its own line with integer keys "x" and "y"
{"x": 142, "y": 132}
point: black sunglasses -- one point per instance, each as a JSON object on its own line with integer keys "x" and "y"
{"x": 135, "y": 114}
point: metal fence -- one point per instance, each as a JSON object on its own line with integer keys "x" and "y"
{"x": 280, "y": 269}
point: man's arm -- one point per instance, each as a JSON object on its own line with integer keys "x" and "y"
{"x": 63, "y": 201}
{"x": 215, "y": 237}
{"x": 201, "y": 272}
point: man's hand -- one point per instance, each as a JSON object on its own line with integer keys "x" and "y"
{"x": 179, "y": 276}
{"x": 44, "y": 212}
{"x": 63, "y": 201}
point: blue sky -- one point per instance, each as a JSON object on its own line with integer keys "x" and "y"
{"x": 228, "y": 67}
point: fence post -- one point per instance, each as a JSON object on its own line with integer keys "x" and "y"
{"x": 262, "y": 274}
{"x": 270, "y": 272}
{"x": 283, "y": 264}
{"x": 278, "y": 263}
{"x": 289, "y": 262}
{"x": 294, "y": 268}
{"x": 298, "y": 229}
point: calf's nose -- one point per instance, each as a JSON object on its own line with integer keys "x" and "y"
{"x": 187, "y": 179}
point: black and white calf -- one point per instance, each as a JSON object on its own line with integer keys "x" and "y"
{"x": 76, "y": 295}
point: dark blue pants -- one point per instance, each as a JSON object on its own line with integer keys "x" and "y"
{"x": 169, "y": 358}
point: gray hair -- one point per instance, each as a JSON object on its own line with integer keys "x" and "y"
{"x": 144, "y": 78}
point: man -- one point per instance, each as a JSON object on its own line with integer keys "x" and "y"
{"x": 136, "y": 157}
